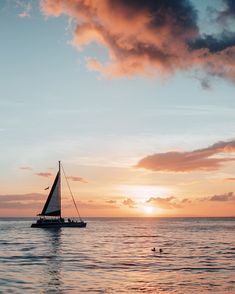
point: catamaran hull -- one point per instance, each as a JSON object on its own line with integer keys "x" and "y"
{"x": 60, "y": 225}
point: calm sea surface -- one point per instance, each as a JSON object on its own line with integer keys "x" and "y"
{"x": 114, "y": 256}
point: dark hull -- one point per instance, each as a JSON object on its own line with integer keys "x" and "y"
{"x": 59, "y": 225}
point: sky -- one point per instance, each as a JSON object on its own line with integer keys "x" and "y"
{"x": 135, "y": 98}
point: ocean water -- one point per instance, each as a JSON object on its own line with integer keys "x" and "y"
{"x": 113, "y": 255}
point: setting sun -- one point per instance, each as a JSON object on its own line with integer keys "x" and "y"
{"x": 148, "y": 209}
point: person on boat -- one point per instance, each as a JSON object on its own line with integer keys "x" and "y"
{"x": 153, "y": 249}
{"x": 160, "y": 250}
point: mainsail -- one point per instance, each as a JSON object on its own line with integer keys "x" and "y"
{"x": 53, "y": 204}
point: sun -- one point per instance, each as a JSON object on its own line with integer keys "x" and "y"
{"x": 148, "y": 209}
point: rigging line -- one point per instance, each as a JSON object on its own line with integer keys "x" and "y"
{"x": 71, "y": 193}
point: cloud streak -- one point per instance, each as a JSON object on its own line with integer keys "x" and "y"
{"x": 21, "y": 201}
{"x": 25, "y": 168}
{"x": 77, "y": 179}
{"x": 44, "y": 174}
{"x": 197, "y": 160}
{"x": 149, "y": 36}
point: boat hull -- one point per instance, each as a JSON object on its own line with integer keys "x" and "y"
{"x": 59, "y": 225}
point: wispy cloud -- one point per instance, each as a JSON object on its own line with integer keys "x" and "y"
{"x": 44, "y": 174}
{"x": 77, "y": 179}
{"x": 21, "y": 201}
{"x": 200, "y": 159}
{"x": 149, "y": 37}
{"x": 26, "y": 8}
{"x": 25, "y": 168}
{"x": 96, "y": 205}
{"x": 230, "y": 179}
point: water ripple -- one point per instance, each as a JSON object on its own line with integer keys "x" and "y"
{"x": 114, "y": 256}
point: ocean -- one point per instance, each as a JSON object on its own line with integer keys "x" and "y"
{"x": 113, "y": 255}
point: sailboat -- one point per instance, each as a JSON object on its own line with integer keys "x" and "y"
{"x": 50, "y": 217}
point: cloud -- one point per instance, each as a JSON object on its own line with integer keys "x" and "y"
{"x": 26, "y": 8}
{"x": 185, "y": 200}
{"x": 230, "y": 196}
{"x": 44, "y": 174}
{"x": 77, "y": 179}
{"x": 21, "y": 201}
{"x": 165, "y": 203}
{"x": 129, "y": 202}
{"x": 35, "y": 201}
{"x": 230, "y": 179}
{"x": 149, "y": 37}
{"x": 200, "y": 159}
{"x": 96, "y": 205}
{"x": 215, "y": 44}
{"x": 229, "y": 11}
{"x": 111, "y": 201}
{"x": 25, "y": 168}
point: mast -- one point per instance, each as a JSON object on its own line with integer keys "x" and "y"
{"x": 59, "y": 188}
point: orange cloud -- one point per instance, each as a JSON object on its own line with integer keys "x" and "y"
{"x": 111, "y": 201}
{"x": 200, "y": 159}
{"x": 166, "y": 203}
{"x": 129, "y": 202}
{"x": 147, "y": 36}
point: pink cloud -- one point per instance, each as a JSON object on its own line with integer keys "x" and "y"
{"x": 77, "y": 179}
{"x": 44, "y": 174}
{"x": 149, "y": 37}
{"x": 201, "y": 159}
{"x": 21, "y": 201}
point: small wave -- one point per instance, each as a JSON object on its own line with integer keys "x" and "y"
{"x": 142, "y": 236}
{"x": 27, "y": 248}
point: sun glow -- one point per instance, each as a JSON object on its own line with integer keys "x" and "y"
{"x": 143, "y": 192}
{"x": 148, "y": 209}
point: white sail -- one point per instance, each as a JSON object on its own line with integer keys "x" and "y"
{"x": 53, "y": 204}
